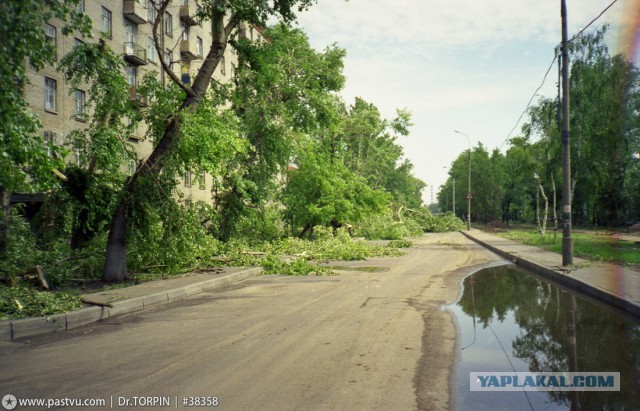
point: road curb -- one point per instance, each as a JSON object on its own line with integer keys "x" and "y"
{"x": 14, "y": 329}
{"x": 563, "y": 279}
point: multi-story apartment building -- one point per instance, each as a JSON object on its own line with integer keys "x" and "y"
{"x": 126, "y": 26}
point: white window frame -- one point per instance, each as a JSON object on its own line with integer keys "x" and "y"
{"x": 168, "y": 57}
{"x": 107, "y": 22}
{"x": 50, "y": 32}
{"x": 199, "y": 47}
{"x": 152, "y": 13}
{"x": 50, "y": 94}
{"x": 203, "y": 180}
{"x": 80, "y": 104}
{"x": 131, "y": 75}
{"x": 49, "y": 140}
{"x": 152, "y": 55}
{"x": 168, "y": 24}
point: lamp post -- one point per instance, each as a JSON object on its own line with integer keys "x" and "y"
{"x": 469, "y": 181}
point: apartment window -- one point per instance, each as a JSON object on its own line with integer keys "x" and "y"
{"x": 199, "y": 47}
{"x": 168, "y": 24}
{"x": 80, "y": 7}
{"x": 77, "y": 42}
{"x": 50, "y": 90}
{"x": 185, "y": 32}
{"x": 184, "y": 2}
{"x": 151, "y": 50}
{"x": 168, "y": 58}
{"x": 131, "y": 73}
{"x": 203, "y": 181}
{"x": 152, "y": 13}
{"x": 48, "y": 141}
{"x": 79, "y": 100}
{"x": 106, "y": 22}
{"x": 130, "y": 34}
{"x": 187, "y": 179}
{"x": 50, "y": 34}
{"x": 223, "y": 66}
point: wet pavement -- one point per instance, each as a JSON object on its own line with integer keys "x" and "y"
{"x": 511, "y": 321}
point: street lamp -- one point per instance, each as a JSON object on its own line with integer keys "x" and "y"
{"x": 469, "y": 181}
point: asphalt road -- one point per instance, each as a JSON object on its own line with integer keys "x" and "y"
{"x": 361, "y": 340}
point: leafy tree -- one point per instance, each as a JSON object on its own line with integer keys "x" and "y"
{"x": 25, "y": 163}
{"x": 224, "y": 17}
{"x": 320, "y": 192}
{"x": 102, "y": 148}
{"x": 282, "y": 92}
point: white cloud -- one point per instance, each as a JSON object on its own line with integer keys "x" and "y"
{"x": 442, "y": 24}
{"x": 470, "y": 65}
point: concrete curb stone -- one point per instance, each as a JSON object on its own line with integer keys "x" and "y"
{"x": 155, "y": 299}
{"x": 13, "y": 329}
{"x": 176, "y": 294}
{"x": 614, "y": 299}
{"x": 126, "y": 306}
{"x": 38, "y": 325}
{"x": 5, "y": 330}
{"x": 86, "y": 316}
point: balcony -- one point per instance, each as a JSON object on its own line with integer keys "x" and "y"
{"x": 135, "y": 10}
{"x": 135, "y": 54}
{"x": 186, "y": 15}
{"x": 137, "y": 98}
{"x": 188, "y": 50}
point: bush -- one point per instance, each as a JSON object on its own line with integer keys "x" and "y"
{"x": 298, "y": 266}
{"x": 175, "y": 245}
{"x": 400, "y": 244}
{"x": 443, "y": 223}
{"x": 384, "y": 227}
{"x": 23, "y": 301}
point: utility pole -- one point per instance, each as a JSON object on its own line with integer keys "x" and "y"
{"x": 567, "y": 241}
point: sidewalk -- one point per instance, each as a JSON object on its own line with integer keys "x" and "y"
{"x": 124, "y": 300}
{"x": 616, "y": 285}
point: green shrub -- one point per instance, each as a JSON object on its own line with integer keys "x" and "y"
{"x": 23, "y": 301}
{"x": 443, "y": 223}
{"x": 298, "y": 266}
{"x": 384, "y": 227}
{"x": 400, "y": 244}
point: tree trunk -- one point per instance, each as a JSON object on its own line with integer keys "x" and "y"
{"x": 555, "y": 209}
{"x": 543, "y": 226}
{"x": 115, "y": 263}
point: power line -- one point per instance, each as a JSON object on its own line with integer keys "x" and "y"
{"x": 593, "y": 21}
{"x": 549, "y": 70}
{"x": 530, "y": 101}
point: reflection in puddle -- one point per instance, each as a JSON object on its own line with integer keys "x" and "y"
{"x": 509, "y": 320}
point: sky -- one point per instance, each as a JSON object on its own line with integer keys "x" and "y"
{"x": 463, "y": 65}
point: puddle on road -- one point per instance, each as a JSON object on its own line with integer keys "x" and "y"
{"x": 509, "y": 320}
